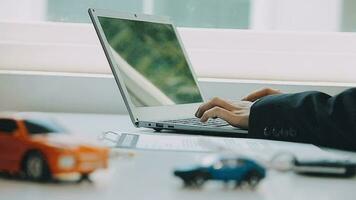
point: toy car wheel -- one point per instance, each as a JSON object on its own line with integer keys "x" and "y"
{"x": 199, "y": 181}
{"x": 6, "y": 175}
{"x": 253, "y": 179}
{"x": 36, "y": 167}
{"x": 84, "y": 177}
{"x": 187, "y": 182}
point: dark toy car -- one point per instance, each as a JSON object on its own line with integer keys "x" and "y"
{"x": 226, "y": 169}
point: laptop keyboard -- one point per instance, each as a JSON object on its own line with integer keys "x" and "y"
{"x": 196, "y": 122}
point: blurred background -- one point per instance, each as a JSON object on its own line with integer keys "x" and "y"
{"x": 293, "y": 45}
{"x": 301, "y": 15}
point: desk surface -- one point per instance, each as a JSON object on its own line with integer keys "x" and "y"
{"x": 148, "y": 175}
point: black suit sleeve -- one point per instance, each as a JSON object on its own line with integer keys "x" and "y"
{"x": 308, "y": 117}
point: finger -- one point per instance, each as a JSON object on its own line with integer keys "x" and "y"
{"x": 213, "y": 103}
{"x": 256, "y": 95}
{"x": 221, "y": 113}
{"x": 260, "y": 93}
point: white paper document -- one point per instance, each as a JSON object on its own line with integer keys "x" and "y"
{"x": 262, "y": 149}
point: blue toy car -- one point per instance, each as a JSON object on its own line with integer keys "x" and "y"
{"x": 226, "y": 169}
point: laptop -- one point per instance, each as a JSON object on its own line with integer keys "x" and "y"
{"x": 153, "y": 73}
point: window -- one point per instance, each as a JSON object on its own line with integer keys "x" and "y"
{"x": 7, "y": 126}
{"x": 221, "y": 51}
{"x": 187, "y": 13}
{"x": 232, "y": 162}
{"x": 314, "y": 15}
{"x": 42, "y": 127}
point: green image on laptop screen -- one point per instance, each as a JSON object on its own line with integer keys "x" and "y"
{"x": 151, "y": 62}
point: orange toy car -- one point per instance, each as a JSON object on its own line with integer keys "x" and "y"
{"x": 40, "y": 149}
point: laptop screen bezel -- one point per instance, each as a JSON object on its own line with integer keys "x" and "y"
{"x": 164, "y": 112}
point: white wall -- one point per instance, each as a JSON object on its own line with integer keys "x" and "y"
{"x": 215, "y": 53}
{"x": 23, "y": 10}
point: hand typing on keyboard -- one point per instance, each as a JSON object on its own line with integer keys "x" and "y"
{"x": 235, "y": 113}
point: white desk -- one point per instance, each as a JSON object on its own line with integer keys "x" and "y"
{"x": 149, "y": 176}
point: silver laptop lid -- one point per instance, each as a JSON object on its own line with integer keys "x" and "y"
{"x": 150, "y": 65}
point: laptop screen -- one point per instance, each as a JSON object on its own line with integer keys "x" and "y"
{"x": 151, "y": 61}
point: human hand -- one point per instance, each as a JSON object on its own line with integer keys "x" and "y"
{"x": 260, "y": 93}
{"x": 235, "y": 113}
